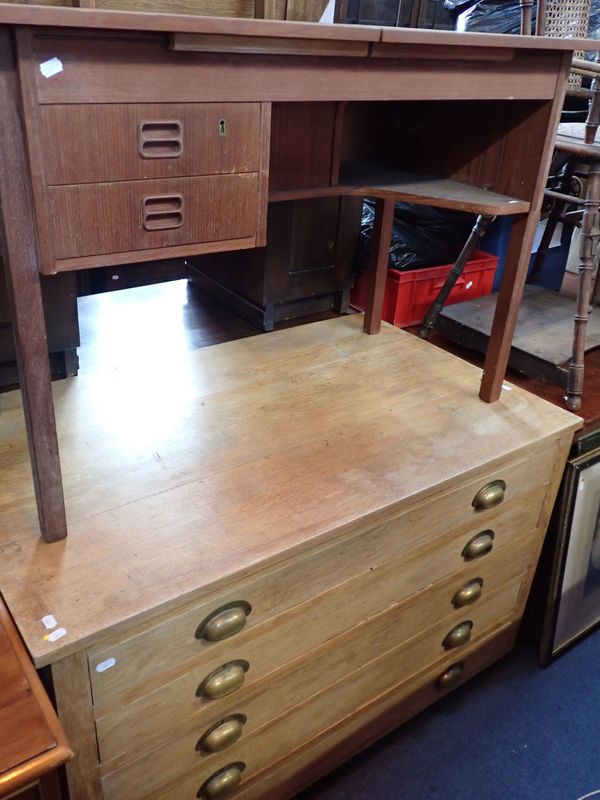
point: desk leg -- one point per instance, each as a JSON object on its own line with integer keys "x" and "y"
{"x": 507, "y": 306}
{"x": 380, "y": 253}
{"x": 18, "y": 250}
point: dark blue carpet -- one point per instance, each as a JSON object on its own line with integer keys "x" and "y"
{"x": 516, "y": 732}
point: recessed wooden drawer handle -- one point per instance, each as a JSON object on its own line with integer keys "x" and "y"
{"x": 224, "y": 622}
{"x": 160, "y": 138}
{"x": 224, "y": 680}
{"x": 451, "y": 676}
{"x": 458, "y": 636}
{"x": 223, "y": 782}
{"x": 479, "y": 545}
{"x": 491, "y": 495}
{"x": 468, "y": 594}
{"x": 162, "y": 212}
{"x": 222, "y": 735}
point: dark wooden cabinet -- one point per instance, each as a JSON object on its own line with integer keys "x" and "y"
{"x": 305, "y": 268}
{"x": 62, "y": 329}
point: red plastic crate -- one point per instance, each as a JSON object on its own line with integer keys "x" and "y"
{"x": 409, "y": 295}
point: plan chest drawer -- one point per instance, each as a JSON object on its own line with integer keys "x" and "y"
{"x": 308, "y": 644}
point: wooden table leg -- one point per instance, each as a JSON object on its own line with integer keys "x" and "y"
{"x": 510, "y": 295}
{"x": 584, "y": 289}
{"x": 18, "y": 250}
{"x": 377, "y": 274}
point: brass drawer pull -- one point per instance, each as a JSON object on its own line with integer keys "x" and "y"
{"x": 458, "y": 636}
{"x": 451, "y": 676}
{"x": 479, "y": 545}
{"x": 224, "y": 622}
{"x": 491, "y": 495}
{"x": 224, "y": 680}
{"x": 160, "y": 138}
{"x": 222, "y": 735}
{"x": 468, "y": 594}
{"x": 222, "y": 782}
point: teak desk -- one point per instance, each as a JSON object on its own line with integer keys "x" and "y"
{"x": 129, "y": 137}
{"x": 282, "y": 547}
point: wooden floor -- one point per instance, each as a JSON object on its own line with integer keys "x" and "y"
{"x": 120, "y": 328}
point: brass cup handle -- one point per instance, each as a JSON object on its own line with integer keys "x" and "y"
{"x": 222, "y": 735}
{"x": 222, "y": 782}
{"x": 458, "y": 636}
{"x": 491, "y": 495}
{"x": 224, "y": 680}
{"x": 468, "y": 594}
{"x": 224, "y": 622}
{"x": 479, "y": 545}
{"x": 451, "y": 676}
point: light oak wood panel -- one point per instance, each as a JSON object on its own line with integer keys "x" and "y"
{"x": 98, "y": 218}
{"x": 96, "y": 71}
{"x": 151, "y": 656}
{"x": 357, "y": 731}
{"x": 103, "y": 581}
{"x": 94, "y": 144}
{"x": 143, "y": 778}
{"x": 155, "y": 717}
{"x": 70, "y": 679}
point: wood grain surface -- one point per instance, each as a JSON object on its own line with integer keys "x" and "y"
{"x": 248, "y": 442}
{"x": 13, "y": 14}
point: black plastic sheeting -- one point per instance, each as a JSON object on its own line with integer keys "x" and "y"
{"x": 421, "y": 237}
{"x": 504, "y": 16}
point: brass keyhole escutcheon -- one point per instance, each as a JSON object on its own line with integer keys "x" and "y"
{"x": 222, "y": 127}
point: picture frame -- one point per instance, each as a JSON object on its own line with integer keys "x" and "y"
{"x": 572, "y": 608}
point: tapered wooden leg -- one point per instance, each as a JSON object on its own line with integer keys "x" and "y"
{"x": 17, "y": 241}
{"x": 584, "y": 290}
{"x": 380, "y": 253}
{"x": 507, "y": 307}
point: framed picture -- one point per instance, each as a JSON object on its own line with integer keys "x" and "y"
{"x": 573, "y": 604}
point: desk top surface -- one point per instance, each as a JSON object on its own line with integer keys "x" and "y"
{"x": 234, "y": 458}
{"x": 15, "y": 14}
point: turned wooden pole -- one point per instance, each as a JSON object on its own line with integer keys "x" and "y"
{"x": 526, "y": 7}
{"x": 590, "y": 212}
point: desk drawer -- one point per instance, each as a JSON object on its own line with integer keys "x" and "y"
{"x": 122, "y": 142}
{"x": 134, "y": 728}
{"x": 329, "y": 705}
{"x": 103, "y": 218}
{"x": 161, "y": 650}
